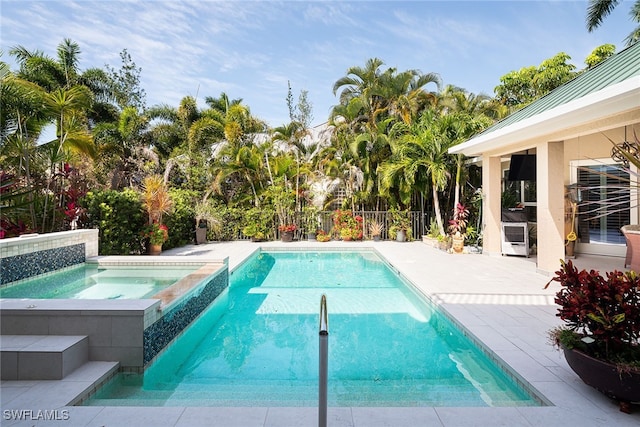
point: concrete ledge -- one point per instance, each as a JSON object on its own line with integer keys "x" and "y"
{"x": 114, "y": 327}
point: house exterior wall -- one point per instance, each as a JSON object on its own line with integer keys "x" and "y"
{"x": 554, "y": 173}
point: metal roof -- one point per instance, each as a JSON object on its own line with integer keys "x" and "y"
{"x": 622, "y": 66}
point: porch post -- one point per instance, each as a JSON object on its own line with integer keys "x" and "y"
{"x": 492, "y": 191}
{"x": 550, "y": 197}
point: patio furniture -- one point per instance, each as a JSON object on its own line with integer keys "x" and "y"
{"x": 632, "y": 237}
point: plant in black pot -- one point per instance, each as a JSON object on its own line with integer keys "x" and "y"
{"x": 602, "y": 329}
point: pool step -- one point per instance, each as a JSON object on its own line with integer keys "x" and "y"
{"x": 41, "y": 357}
{"x": 267, "y": 393}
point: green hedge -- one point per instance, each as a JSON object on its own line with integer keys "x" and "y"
{"x": 231, "y": 223}
{"x": 182, "y": 219}
{"x": 119, "y": 217}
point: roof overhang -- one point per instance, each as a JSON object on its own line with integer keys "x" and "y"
{"x": 610, "y": 101}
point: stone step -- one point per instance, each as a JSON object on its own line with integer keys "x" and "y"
{"x": 41, "y": 357}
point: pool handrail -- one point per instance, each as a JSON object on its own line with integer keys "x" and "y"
{"x": 323, "y": 368}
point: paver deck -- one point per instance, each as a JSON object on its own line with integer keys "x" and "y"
{"x": 501, "y": 301}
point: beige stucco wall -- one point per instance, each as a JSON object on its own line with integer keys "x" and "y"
{"x": 553, "y": 174}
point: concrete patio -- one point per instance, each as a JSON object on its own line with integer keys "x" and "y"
{"x": 501, "y": 301}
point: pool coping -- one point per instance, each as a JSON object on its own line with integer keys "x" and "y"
{"x": 500, "y": 300}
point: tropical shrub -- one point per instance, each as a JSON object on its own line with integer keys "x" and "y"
{"x": 258, "y": 223}
{"x": 601, "y": 314}
{"x": 119, "y": 216}
{"x": 182, "y": 219}
{"x": 231, "y": 223}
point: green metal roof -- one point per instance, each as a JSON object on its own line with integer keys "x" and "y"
{"x": 615, "y": 69}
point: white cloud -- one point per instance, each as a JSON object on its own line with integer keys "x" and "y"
{"x": 251, "y": 49}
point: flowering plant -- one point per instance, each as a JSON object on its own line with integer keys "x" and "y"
{"x": 322, "y": 236}
{"x": 287, "y": 228}
{"x": 156, "y": 233}
{"x": 347, "y": 226}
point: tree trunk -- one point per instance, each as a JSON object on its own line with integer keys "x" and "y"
{"x": 436, "y": 208}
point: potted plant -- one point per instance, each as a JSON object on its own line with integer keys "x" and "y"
{"x": 431, "y": 238}
{"x": 205, "y": 219}
{"x": 347, "y": 226}
{"x": 283, "y": 199}
{"x": 286, "y": 232}
{"x": 157, "y": 202}
{"x": 157, "y": 234}
{"x": 602, "y": 329}
{"x": 457, "y": 228}
{"x": 444, "y": 242}
{"x": 375, "y": 229}
{"x": 322, "y": 236}
{"x": 400, "y": 224}
{"x": 310, "y": 219}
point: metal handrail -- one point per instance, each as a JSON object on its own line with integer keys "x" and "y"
{"x": 324, "y": 362}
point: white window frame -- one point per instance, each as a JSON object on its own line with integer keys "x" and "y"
{"x": 609, "y": 249}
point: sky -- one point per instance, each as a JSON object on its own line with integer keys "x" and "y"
{"x": 251, "y": 49}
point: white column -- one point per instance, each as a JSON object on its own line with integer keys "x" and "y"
{"x": 492, "y": 191}
{"x": 550, "y": 198}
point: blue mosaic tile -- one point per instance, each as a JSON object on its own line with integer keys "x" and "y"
{"x": 23, "y": 266}
{"x": 161, "y": 333}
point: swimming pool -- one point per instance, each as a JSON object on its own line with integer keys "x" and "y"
{"x": 90, "y": 281}
{"x": 257, "y": 345}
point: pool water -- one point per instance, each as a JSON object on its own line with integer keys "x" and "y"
{"x": 257, "y": 344}
{"x": 88, "y": 281}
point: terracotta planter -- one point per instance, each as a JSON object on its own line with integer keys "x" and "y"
{"x": 155, "y": 249}
{"x": 605, "y": 377}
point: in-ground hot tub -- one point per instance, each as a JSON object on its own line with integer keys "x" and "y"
{"x": 129, "y": 330}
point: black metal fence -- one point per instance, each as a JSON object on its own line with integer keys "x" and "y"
{"x": 325, "y": 219}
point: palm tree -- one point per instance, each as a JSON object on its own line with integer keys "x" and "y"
{"x": 124, "y": 146}
{"x": 462, "y": 115}
{"x": 64, "y": 73}
{"x": 600, "y": 9}
{"x": 68, "y": 106}
{"x": 406, "y": 95}
{"x": 420, "y": 159}
{"x": 236, "y": 167}
{"x": 222, "y": 103}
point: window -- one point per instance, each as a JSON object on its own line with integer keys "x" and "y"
{"x": 605, "y": 201}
